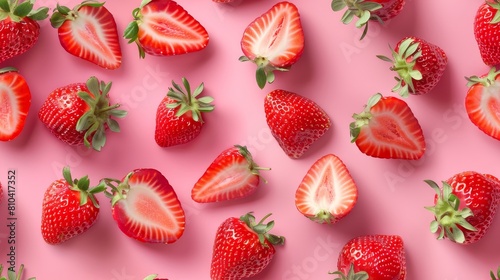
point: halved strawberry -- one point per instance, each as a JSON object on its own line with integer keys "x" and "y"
{"x": 146, "y": 207}
{"x": 327, "y": 193}
{"x": 273, "y": 41}
{"x": 15, "y": 102}
{"x": 233, "y": 174}
{"x": 89, "y": 31}
{"x": 387, "y": 128}
{"x": 163, "y": 28}
{"x": 482, "y": 102}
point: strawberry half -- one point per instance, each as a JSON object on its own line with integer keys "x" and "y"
{"x": 88, "y": 31}
{"x": 273, "y": 41}
{"x": 243, "y": 248}
{"x": 179, "y": 117}
{"x": 374, "y": 257}
{"x": 163, "y": 28}
{"x": 69, "y": 208}
{"x": 387, "y": 128}
{"x": 368, "y": 10}
{"x": 232, "y": 175}
{"x": 464, "y": 206}
{"x": 482, "y": 102}
{"x": 80, "y": 113}
{"x": 487, "y": 31}
{"x": 327, "y": 193}
{"x": 19, "y": 28}
{"x": 145, "y": 207}
{"x": 419, "y": 65}
{"x": 296, "y": 122}
{"x": 15, "y": 102}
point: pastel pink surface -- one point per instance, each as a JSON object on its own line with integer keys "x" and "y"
{"x": 337, "y": 71}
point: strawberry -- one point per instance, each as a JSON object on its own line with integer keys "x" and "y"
{"x": 243, "y": 248}
{"x": 327, "y": 193}
{"x": 80, "y": 113}
{"x": 78, "y": 213}
{"x": 179, "y": 115}
{"x": 295, "y": 121}
{"x": 482, "y": 102}
{"x": 366, "y": 11}
{"x": 387, "y": 128}
{"x": 19, "y": 29}
{"x": 273, "y": 41}
{"x": 12, "y": 275}
{"x": 464, "y": 206}
{"x": 15, "y": 102}
{"x": 487, "y": 30}
{"x": 232, "y": 175}
{"x": 164, "y": 28}
{"x": 419, "y": 65}
{"x": 88, "y": 31}
{"x": 145, "y": 206}
{"x": 374, "y": 257}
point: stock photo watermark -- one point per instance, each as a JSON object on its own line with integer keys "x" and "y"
{"x": 258, "y": 142}
{"x": 11, "y": 220}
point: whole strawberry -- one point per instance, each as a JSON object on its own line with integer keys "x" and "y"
{"x": 80, "y": 113}
{"x": 19, "y": 29}
{"x": 295, "y": 121}
{"x": 69, "y": 208}
{"x": 15, "y": 103}
{"x": 374, "y": 257}
{"x": 179, "y": 117}
{"x": 464, "y": 206}
{"x": 487, "y": 31}
{"x": 387, "y": 128}
{"x": 366, "y": 11}
{"x": 481, "y": 102}
{"x": 273, "y": 41}
{"x": 419, "y": 65}
{"x": 243, "y": 248}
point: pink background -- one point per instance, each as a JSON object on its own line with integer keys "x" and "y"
{"x": 336, "y": 70}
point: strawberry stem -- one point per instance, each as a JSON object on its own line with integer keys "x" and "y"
{"x": 252, "y": 165}
{"x": 262, "y": 230}
{"x": 351, "y": 275}
{"x": 82, "y": 186}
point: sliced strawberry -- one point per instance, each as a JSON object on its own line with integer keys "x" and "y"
{"x": 327, "y": 193}
{"x": 146, "y": 207}
{"x": 163, "y": 28}
{"x": 233, "y": 174}
{"x": 89, "y": 32}
{"x": 482, "y": 102}
{"x": 273, "y": 41}
{"x": 387, "y": 128}
{"x": 15, "y": 102}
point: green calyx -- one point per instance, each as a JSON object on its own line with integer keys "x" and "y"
{"x": 322, "y": 217}
{"x": 351, "y": 275}
{"x": 361, "y": 9}
{"x": 262, "y": 230}
{"x": 450, "y": 220}
{"x": 495, "y": 4}
{"x": 131, "y": 32}
{"x": 119, "y": 189}
{"x": 254, "y": 168}
{"x": 187, "y": 101}
{"x": 7, "y": 70}
{"x": 12, "y": 275}
{"x": 404, "y": 61}
{"x": 486, "y": 81}
{"x": 82, "y": 186}
{"x": 16, "y": 10}
{"x": 363, "y": 118}
{"x": 99, "y": 116}
{"x": 497, "y": 276}
{"x": 63, "y": 13}
{"x": 151, "y": 277}
{"x": 265, "y": 70}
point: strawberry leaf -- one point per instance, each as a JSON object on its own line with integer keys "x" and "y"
{"x": 261, "y": 77}
{"x": 39, "y": 14}
{"x": 338, "y": 5}
{"x": 4, "y": 5}
{"x": 23, "y": 9}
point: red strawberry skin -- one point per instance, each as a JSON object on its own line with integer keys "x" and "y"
{"x": 91, "y": 34}
{"x": 15, "y": 103}
{"x": 296, "y": 122}
{"x": 17, "y": 37}
{"x": 327, "y": 193}
{"x": 390, "y": 9}
{"x": 232, "y": 175}
{"x": 146, "y": 208}
{"x": 487, "y": 33}
{"x": 381, "y": 256}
